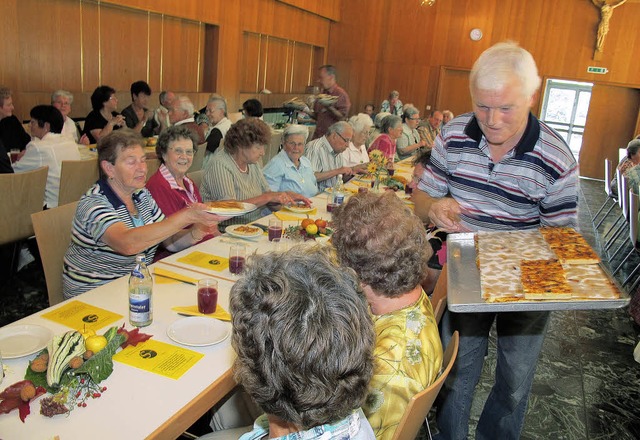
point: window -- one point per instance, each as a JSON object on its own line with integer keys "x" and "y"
{"x": 565, "y": 107}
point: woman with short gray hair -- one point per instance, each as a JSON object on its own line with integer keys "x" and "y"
{"x": 289, "y": 170}
{"x": 392, "y": 105}
{"x": 379, "y": 237}
{"x": 62, "y": 100}
{"x": 409, "y": 143}
{"x": 356, "y": 153}
{"x": 377, "y": 123}
{"x": 304, "y": 340}
{"x": 391, "y": 130}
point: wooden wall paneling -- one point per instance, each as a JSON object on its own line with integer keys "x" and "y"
{"x": 154, "y": 47}
{"x": 182, "y": 54}
{"x": 211, "y": 55}
{"x": 10, "y": 41}
{"x": 302, "y": 72}
{"x": 50, "y": 51}
{"x": 453, "y": 91}
{"x": 276, "y": 64}
{"x": 90, "y": 43}
{"x": 327, "y": 8}
{"x": 607, "y": 127}
{"x": 251, "y": 80}
{"x": 124, "y": 47}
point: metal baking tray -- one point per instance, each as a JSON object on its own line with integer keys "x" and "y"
{"x": 463, "y": 281}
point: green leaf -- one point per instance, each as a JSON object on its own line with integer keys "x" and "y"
{"x": 100, "y": 366}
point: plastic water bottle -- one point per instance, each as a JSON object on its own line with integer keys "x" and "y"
{"x": 140, "y": 291}
{"x": 338, "y": 192}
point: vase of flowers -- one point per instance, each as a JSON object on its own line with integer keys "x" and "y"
{"x": 377, "y": 165}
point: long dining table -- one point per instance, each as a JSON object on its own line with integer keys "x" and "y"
{"x": 139, "y": 404}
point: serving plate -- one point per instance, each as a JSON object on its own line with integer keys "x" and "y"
{"x": 235, "y": 230}
{"x": 198, "y": 331}
{"x": 246, "y": 208}
{"x": 299, "y": 209}
{"x": 23, "y": 339}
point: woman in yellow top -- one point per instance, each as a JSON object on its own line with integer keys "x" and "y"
{"x": 385, "y": 243}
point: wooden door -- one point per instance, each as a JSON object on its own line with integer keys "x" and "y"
{"x": 453, "y": 91}
{"x": 610, "y": 125}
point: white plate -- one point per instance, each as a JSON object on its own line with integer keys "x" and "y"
{"x": 198, "y": 331}
{"x": 247, "y": 207}
{"x": 23, "y": 339}
{"x": 300, "y": 209}
{"x": 233, "y": 230}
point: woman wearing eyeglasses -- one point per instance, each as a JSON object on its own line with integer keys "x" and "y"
{"x": 104, "y": 118}
{"x": 409, "y": 143}
{"x": 170, "y": 187}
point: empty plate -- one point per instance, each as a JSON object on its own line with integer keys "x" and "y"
{"x": 198, "y": 331}
{"x": 23, "y": 339}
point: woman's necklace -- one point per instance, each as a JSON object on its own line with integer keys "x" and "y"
{"x": 245, "y": 171}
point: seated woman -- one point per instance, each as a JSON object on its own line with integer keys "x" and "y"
{"x": 47, "y": 148}
{"x": 377, "y": 123}
{"x": 392, "y": 105}
{"x": 310, "y": 384}
{"x": 118, "y": 219}
{"x": 630, "y": 162}
{"x": 356, "y": 152}
{"x": 391, "y": 130}
{"x": 137, "y": 116}
{"x": 169, "y": 186}
{"x": 289, "y": 170}
{"x": 385, "y": 243}
{"x": 104, "y": 118}
{"x": 234, "y": 173}
{"x": 62, "y": 100}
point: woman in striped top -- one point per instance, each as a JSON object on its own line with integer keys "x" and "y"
{"x": 118, "y": 219}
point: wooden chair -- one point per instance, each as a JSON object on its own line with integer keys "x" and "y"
{"x": 196, "y": 176}
{"x": 198, "y": 158}
{"x": 76, "y": 177}
{"x": 22, "y": 195}
{"x": 152, "y": 166}
{"x": 439, "y": 295}
{"x": 416, "y": 412}
{"x": 53, "y": 234}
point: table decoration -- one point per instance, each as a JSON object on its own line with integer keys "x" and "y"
{"x": 376, "y": 167}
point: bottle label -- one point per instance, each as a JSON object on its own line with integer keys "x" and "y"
{"x": 139, "y": 305}
{"x": 136, "y": 273}
{"x": 338, "y": 199}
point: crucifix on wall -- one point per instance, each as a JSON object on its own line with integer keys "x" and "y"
{"x": 606, "y": 11}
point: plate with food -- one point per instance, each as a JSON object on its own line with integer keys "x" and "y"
{"x": 325, "y": 99}
{"x": 244, "y": 231}
{"x": 22, "y": 340}
{"x": 299, "y": 208}
{"x": 229, "y": 208}
{"x": 294, "y": 103}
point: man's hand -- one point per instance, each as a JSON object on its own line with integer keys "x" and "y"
{"x": 445, "y": 214}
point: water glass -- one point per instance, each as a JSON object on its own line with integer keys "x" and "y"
{"x": 280, "y": 244}
{"x": 237, "y": 257}
{"x": 207, "y": 295}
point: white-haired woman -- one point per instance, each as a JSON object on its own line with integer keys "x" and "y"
{"x": 377, "y": 123}
{"x": 289, "y": 170}
{"x": 356, "y": 153}
{"x": 392, "y": 105}
{"x": 62, "y": 100}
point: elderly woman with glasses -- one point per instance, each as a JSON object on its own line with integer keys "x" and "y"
{"x": 379, "y": 237}
{"x": 303, "y": 339}
{"x": 289, "y": 170}
{"x": 170, "y": 187}
{"x": 409, "y": 142}
{"x": 356, "y": 153}
{"x": 117, "y": 218}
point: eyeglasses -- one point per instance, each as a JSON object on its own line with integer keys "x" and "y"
{"x": 414, "y": 119}
{"x": 181, "y": 152}
{"x": 114, "y": 97}
{"x": 343, "y": 138}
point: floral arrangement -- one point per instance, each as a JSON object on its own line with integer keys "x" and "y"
{"x": 377, "y": 165}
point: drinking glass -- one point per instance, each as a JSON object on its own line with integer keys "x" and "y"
{"x": 237, "y": 257}
{"x": 275, "y": 229}
{"x": 207, "y": 295}
{"x": 280, "y": 244}
{"x": 15, "y": 152}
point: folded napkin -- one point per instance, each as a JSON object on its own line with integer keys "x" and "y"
{"x": 206, "y": 261}
{"x": 167, "y": 274}
{"x": 220, "y": 313}
{"x": 293, "y": 216}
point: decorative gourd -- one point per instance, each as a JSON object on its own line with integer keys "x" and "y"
{"x": 61, "y": 350}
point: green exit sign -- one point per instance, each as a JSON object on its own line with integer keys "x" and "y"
{"x": 599, "y": 70}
